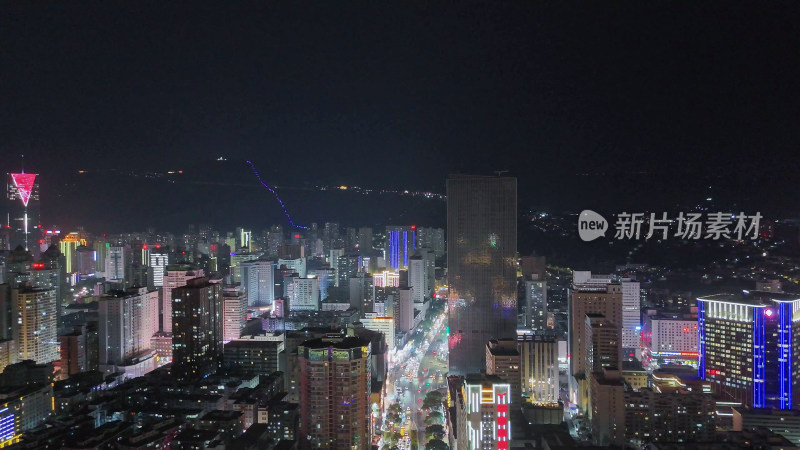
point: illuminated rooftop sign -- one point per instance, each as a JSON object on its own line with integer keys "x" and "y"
{"x": 24, "y": 184}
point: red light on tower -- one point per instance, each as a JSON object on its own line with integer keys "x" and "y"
{"x": 24, "y": 185}
{"x": 413, "y": 227}
{"x": 297, "y": 236}
{"x": 37, "y": 266}
{"x": 144, "y": 246}
{"x": 158, "y": 245}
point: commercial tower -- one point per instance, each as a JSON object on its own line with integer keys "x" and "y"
{"x": 23, "y": 211}
{"x": 481, "y": 262}
{"x": 748, "y": 347}
{"x": 258, "y": 281}
{"x": 335, "y": 380}
{"x": 197, "y": 331}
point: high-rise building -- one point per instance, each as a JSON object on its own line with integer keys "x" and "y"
{"x": 481, "y": 264}
{"x": 382, "y": 324}
{"x": 604, "y": 298}
{"x": 50, "y": 273}
{"x": 405, "y": 309}
{"x": 335, "y": 389}
{"x": 237, "y": 258}
{"x": 297, "y": 265}
{"x": 85, "y": 263}
{"x": 484, "y": 409}
{"x": 603, "y": 346}
{"x": 36, "y": 330}
{"x": 347, "y": 268}
{"x": 670, "y": 337}
{"x": 126, "y": 323}
{"x": 535, "y": 315}
{"x": 176, "y": 276}
{"x": 432, "y": 238}
{"x": 69, "y": 248}
{"x": 159, "y": 259}
{"x": 333, "y": 260}
{"x": 234, "y": 310}
{"x": 255, "y": 354}
{"x": 74, "y": 352}
{"x": 539, "y": 367}
{"x": 116, "y": 260}
{"x": 631, "y": 316}
{"x": 748, "y": 347}
{"x": 365, "y": 240}
{"x": 503, "y": 360}
{"x": 417, "y": 279}
{"x": 303, "y": 294}
{"x": 23, "y": 211}
{"x": 326, "y": 278}
{"x": 258, "y": 281}
{"x": 401, "y": 241}
{"x": 197, "y": 331}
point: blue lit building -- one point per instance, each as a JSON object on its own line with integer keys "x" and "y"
{"x": 747, "y": 347}
{"x": 401, "y": 241}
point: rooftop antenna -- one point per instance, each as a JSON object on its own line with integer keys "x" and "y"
{"x": 500, "y": 172}
{"x": 22, "y": 163}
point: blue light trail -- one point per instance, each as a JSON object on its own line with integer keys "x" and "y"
{"x": 285, "y": 211}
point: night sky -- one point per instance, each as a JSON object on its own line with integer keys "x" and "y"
{"x": 590, "y": 103}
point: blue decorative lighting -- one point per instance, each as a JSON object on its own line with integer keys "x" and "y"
{"x": 701, "y": 342}
{"x": 759, "y": 362}
{"x": 285, "y": 211}
{"x": 785, "y": 354}
{"x": 405, "y": 248}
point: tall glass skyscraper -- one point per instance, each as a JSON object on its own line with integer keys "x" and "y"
{"x": 481, "y": 266}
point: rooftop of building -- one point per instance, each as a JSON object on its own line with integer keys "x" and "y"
{"x": 767, "y": 412}
{"x": 339, "y": 342}
{"x": 219, "y": 414}
{"x": 503, "y": 347}
{"x": 751, "y": 298}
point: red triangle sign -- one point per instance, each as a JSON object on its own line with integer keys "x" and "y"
{"x": 24, "y": 184}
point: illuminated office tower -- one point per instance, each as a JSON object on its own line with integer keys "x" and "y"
{"x": 177, "y": 276}
{"x": 335, "y": 389}
{"x": 23, "y": 211}
{"x": 197, "y": 331}
{"x": 237, "y": 258}
{"x": 417, "y": 279}
{"x": 116, "y": 259}
{"x": 69, "y": 248}
{"x": 631, "y": 317}
{"x": 333, "y": 260}
{"x": 482, "y": 402}
{"x": 432, "y": 238}
{"x": 535, "y": 304}
{"x": 297, "y": 265}
{"x": 748, "y": 347}
{"x": 401, "y": 241}
{"x": 49, "y": 273}
{"x": 101, "y": 251}
{"x": 381, "y": 324}
{"x": 481, "y": 264}
{"x": 303, "y": 294}
{"x": 258, "y": 282}
{"x": 325, "y": 275}
{"x": 127, "y": 320}
{"x": 234, "y": 310}
{"x": 539, "y": 367}
{"x": 36, "y": 330}
{"x": 159, "y": 259}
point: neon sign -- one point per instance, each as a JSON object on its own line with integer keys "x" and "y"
{"x": 24, "y": 185}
